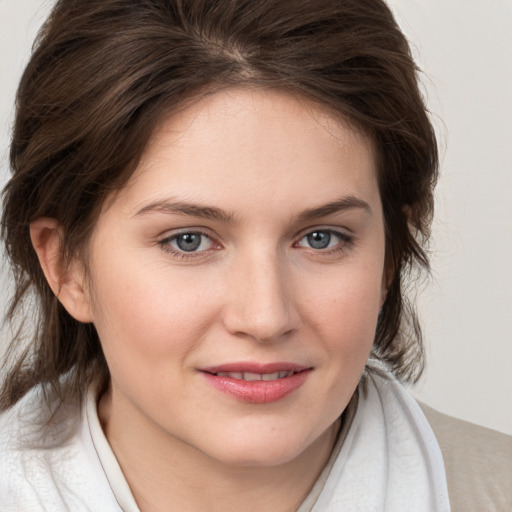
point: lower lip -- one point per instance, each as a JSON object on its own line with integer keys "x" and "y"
{"x": 260, "y": 391}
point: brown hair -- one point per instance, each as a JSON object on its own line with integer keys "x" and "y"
{"x": 104, "y": 72}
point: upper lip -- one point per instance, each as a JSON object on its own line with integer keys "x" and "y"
{"x": 252, "y": 367}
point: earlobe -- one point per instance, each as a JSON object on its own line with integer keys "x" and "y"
{"x": 65, "y": 280}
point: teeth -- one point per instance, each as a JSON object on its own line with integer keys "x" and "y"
{"x": 252, "y": 377}
{"x": 232, "y": 375}
{"x": 270, "y": 376}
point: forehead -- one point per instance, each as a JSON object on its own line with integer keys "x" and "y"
{"x": 261, "y": 144}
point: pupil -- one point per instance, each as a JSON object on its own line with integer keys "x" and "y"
{"x": 189, "y": 241}
{"x": 319, "y": 239}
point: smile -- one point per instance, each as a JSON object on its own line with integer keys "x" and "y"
{"x": 257, "y": 384}
{"x": 253, "y": 377}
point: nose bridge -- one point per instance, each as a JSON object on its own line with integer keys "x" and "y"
{"x": 261, "y": 303}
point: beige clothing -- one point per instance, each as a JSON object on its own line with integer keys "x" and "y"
{"x": 478, "y": 463}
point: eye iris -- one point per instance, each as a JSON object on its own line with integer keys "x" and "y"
{"x": 189, "y": 241}
{"x": 319, "y": 239}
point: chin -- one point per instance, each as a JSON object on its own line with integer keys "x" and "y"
{"x": 268, "y": 456}
{"x": 263, "y": 449}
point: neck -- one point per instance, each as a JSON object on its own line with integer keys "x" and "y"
{"x": 161, "y": 469}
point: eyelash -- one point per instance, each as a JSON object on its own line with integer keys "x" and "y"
{"x": 344, "y": 243}
{"x": 165, "y": 244}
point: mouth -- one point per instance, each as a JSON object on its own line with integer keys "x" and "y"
{"x": 254, "y": 377}
{"x": 253, "y": 383}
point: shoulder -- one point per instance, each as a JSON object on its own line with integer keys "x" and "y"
{"x": 47, "y": 460}
{"x": 29, "y": 446}
{"x": 478, "y": 463}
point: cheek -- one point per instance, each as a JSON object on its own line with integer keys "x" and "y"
{"x": 346, "y": 313}
{"x": 145, "y": 312}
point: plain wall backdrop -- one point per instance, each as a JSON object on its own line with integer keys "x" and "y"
{"x": 465, "y": 50}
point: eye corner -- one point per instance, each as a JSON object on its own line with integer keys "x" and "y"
{"x": 324, "y": 240}
{"x": 189, "y": 244}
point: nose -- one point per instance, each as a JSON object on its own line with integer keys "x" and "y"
{"x": 260, "y": 299}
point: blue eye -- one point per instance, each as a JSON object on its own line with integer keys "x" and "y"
{"x": 319, "y": 239}
{"x": 189, "y": 242}
{"x": 323, "y": 239}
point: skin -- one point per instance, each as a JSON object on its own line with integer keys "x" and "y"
{"x": 255, "y": 290}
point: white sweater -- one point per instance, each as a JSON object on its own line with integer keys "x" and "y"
{"x": 386, "y": 459}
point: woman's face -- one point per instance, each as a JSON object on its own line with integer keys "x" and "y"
{"x": 237, "y": 278}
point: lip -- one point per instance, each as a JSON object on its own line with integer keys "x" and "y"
{"x": 256, "y": 367}
{"x": 256, "y": 392}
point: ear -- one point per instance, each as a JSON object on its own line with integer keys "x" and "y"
{"x": 66, "y": 282}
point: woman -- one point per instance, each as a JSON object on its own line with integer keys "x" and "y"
{"x": 216, "y": 204}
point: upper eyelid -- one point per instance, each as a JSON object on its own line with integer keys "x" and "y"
{"x": 345, "y": 240}
{"x": 172, "y": 234}
{"x": 167, "y": 238}
{"x": 344, "y": 232}
{"x": 339, "y": 234}
{"x": 166, "y": 245}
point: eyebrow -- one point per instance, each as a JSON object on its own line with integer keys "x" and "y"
{"x": 217, "y": 214}
{"x": 345, "y": 203}
{"x": 191, "y": 209}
